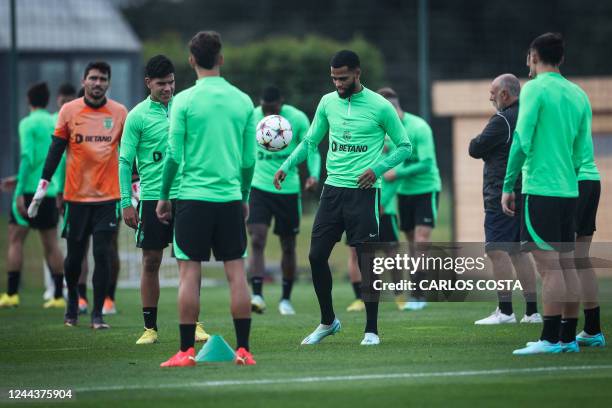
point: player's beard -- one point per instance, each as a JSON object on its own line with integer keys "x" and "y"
{"x": 348, "y": 92}
{"x": 97, "y": 92}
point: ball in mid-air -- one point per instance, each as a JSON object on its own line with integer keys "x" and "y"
{"x": 274, "y": 133}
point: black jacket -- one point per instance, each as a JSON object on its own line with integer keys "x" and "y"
{"x": 493, "y": 146}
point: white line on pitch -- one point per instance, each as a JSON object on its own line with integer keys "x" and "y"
{"x": 363, "y": 377}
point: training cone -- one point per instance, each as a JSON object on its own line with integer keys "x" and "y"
{"x": 216, "y": 350}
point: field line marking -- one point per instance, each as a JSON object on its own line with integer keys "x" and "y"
{"x": 362, "y": 377}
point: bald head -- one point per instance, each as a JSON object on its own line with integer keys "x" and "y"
{"x": 504, "y": 91}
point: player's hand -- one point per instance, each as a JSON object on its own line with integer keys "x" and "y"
{"x": 41, "y": 192}
{"x": 59, "y": 203}
{"x": 164, "y": 211}
{"x": 130, "y": 217}
{"x": 8, "y": 184}
{"x": 367, "y": 179}
{"x": 507, "y": 203}
{"x": 279, "y": 177}
{"x": 391, "y": 175}
{"x": 21, "y": 206}
{"x": 311, "y": 184}
{"x": 245, "y": 210}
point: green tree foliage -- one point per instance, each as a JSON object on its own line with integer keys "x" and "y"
{"x": 299, "y": 66}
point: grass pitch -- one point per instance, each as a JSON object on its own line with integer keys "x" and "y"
{"x": 435, "y": 357}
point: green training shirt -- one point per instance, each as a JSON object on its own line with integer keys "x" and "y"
{"x": 268, "y": 162}
{"x": 550, "y": 139}
{"x": 357, "y": 126}
{"x": 145, "y": 138}
{"x": 35, "y": 132}
{"x": 388, "y": 189}
{"x": 588, "y": 168}
{"x": 419, "y": 173}
{"x": 213, "y": 135}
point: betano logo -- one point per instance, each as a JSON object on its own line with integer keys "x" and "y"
{"x": 335, "y": 147}
{"x": 79, "y": 138}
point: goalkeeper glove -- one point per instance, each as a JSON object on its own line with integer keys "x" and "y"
{"x": 135, "y": 192}
{"x": 41, "y": 192}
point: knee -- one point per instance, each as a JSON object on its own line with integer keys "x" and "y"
{"x": 258, "y": 241}
{"x": 72, "y": 267}
{"x": 583, "y": 263}
{"x": 151, "y": 262}
{"x": 50, "y": 248}
{"x": 316, "y": 256}
{"x": 422, "y": 234}
{"x": 101, "y": 253}
{"x": 288, "y": 246}
{"x": 102, "y": 244}
{"x": 498, "y": 257}
{"x": 15, "y": 242}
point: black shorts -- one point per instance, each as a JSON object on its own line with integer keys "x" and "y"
{"x": 285, "y": 208}
{"x": 388, "y": 228}
{"x": 418, "y": 209}
{"x": 200, "y": 226}
{"x": 548, "y": 223}
{"x": 151, "y": 233}
{"x": 503, "y": 232}
{"x": 586, "y": 207}
{"x": 353, "y": 210}
{"x": 47, "y": 217}
{"x": 83, "y": 219}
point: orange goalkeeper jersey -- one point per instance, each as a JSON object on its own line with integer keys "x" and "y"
{"x": 92, "y": 153}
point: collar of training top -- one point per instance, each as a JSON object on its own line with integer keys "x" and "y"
{"x": 94, "y": 106}
{"x": 216, "y": 78}
{"x": 355, "y": 96}
{"x": 511, "y": 105}
{"x": 159, "y": 104}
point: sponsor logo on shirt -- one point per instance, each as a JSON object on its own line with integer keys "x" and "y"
{"x": 79, "y": 138}
{"x": 349, "y": 148}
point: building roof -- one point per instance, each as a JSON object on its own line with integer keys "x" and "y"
{"x": 67, "y": 25}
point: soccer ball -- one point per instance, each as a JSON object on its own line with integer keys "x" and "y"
{"x": 274, "y": 133}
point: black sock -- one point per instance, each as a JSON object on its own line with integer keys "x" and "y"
{"x": 591, "y": 321}
{"x": 505, "y": 302}
{"x": 187, "y": 336}
{"x": 531, "y": 303}
{"x": 243, "y": 329}
{"x": 532, "y": 307}
{"x": 257, "y": 283}
{"x": 287, "y": 287}
{"x": 551, "y": 328}
{"x": 13, "y": 282}
{"x": 357, "y": 289}
{"x": 58, "y": 281}
{"x": 150, "y": 317}
{"x": 417, "y": 277}
{"x": 83, "y": 290}
{"x": 568, "y": 330}
{"x": 371, "y": 317}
